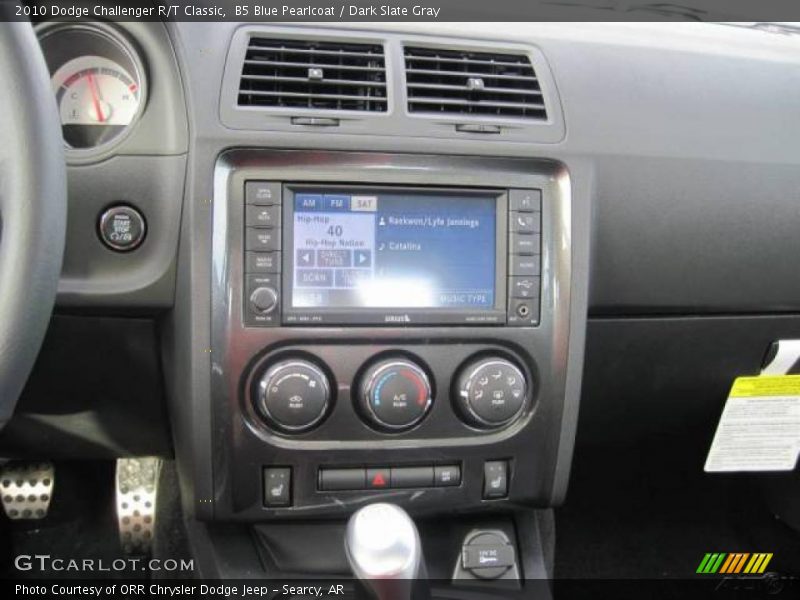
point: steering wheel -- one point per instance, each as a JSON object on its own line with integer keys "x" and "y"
{"x": 33, "y": 206}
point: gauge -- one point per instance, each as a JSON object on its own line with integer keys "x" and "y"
{"x": 97, "y": 99}
{"x": 98, "y": 81}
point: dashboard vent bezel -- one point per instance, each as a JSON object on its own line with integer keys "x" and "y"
{"x": 313, "y": 76}
{"x": 396, "y": 123}
{"x": 481, "y": 85}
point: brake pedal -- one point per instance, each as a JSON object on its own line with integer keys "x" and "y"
{"x": 26, "y": 489}
{"x": 137, "y": 489}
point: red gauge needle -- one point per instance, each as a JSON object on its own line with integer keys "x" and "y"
{"x": 95, "y": 98}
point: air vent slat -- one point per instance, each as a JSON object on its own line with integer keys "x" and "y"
{"x": 473, "y": 63}
{"x": 313, "y": 75}
{"x": 272, "y": 49}
{"x": 297, "y": 65}
{"x": 462, "y": 74}
{"x": 302, "y": 95}
{"x": 460, "y": 88}
{"x": 473, "y": 84}
{"x": 306, "y": 81}
{"x": 485, "y": 103}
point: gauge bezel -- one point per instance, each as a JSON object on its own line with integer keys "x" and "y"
{"x": 124, "y": 45}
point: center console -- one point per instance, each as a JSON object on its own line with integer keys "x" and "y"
{"x": 388, "y": 327}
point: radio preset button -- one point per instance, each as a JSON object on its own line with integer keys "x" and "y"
{"x": 524, "y": 266}
{"x": 262, "y": 216}
{"x": 262, "y": 193}
{"x": 524, "y": 243}
{"x": 263, "y": 262}
{"x": 491, "y": 392}
{"x": 395, "y": 394}
{"x": 525, "y": 200}
{"x": 267, "y": 240}
{"x": 293, "y": 395}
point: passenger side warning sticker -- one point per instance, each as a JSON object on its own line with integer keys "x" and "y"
{"x": 760, "y": 426}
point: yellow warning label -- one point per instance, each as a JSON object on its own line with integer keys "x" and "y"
{"x": 770, "y": 385}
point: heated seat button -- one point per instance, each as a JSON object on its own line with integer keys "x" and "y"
{"x": 447, "y": 476}
{"x": 379, "y": 479}
{"x": 412, "y": 477}
{"x": 342, "y": 479}
{"x": 277, "y": 486}
{"x": 495, "y": 479}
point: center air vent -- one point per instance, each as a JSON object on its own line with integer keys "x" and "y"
{"x": 313, "y": 75}
{"x": 456, "y": 82}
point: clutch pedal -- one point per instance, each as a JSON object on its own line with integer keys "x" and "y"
{"x": 26, "y": 489}
{"x": 137, "y": 490}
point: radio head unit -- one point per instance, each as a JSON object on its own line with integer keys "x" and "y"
{"x": 386, "y": 255}
{"x": 339, "y": 254}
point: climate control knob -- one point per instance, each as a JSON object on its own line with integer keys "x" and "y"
{"x": 395, "y": 394}
{"x": 491, "y": 392}
{"x": 293, "y": 395}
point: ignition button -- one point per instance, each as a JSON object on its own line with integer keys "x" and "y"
{"x": 122, "y": 228}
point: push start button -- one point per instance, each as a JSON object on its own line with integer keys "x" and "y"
{"x": 122, "y": 228}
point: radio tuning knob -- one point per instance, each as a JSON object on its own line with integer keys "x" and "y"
{"x": 395, "y": 394}
{"x": 264, "y": 300}
{"x": 293, "y": 395}
{"x": 491, "y": 392}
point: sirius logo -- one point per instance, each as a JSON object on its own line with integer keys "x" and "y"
{"x": 397, "y": 319}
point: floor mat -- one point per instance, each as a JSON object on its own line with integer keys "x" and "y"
{"x": 653, "y": 514}
{"x": 81, "y": 525}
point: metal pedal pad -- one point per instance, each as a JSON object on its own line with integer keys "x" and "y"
{"x": 26, "y": 489}
{"x": 137, "y": 489}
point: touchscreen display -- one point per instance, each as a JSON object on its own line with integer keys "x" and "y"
{"x": 393, "y": 249}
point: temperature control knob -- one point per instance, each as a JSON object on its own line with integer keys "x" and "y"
{"x": 293, "y": 395}
{"x": 395, "y": 394}
{"x": 491, "y": 392}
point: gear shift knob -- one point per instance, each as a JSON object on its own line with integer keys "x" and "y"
{"x": 384, "y": 550}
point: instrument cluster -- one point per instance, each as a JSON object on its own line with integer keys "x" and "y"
{"x": 98, "y": 79}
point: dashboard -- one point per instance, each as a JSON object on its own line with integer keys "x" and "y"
{"x": 375, "y": 252}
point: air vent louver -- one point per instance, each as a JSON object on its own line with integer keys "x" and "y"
{"x": 315, "y": 75}
{"x": 455, "y": 82}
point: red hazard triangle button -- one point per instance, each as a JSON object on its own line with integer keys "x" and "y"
{"x": 377, "y": 478}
